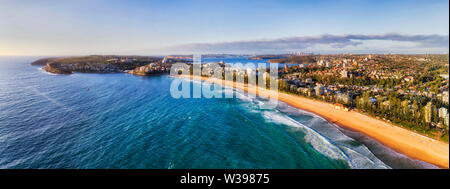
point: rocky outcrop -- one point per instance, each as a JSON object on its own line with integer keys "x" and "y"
{"x": 54, "y": 68}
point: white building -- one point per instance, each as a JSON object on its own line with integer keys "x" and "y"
{"x": 442, "y": 112}
{"x": 266, "y": 75}
{"x": 428, "y": 112}
{"x": 344, "y": 73}
{"x": 321, "y": 63}
{"x": 342, "y": 97}
{"x": 446, "y": 119}
{"x": 293, "y": 88}
{"x": 319, "y": 90}
{"x": 345, "y": 63}
{"x": 445, "y": 96}
{"x": 164, "y": 60}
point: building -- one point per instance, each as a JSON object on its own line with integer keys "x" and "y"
{"x": 443, "y": 112}
{"x": 293, "y": 88}
{"x": 428, "y": 111}
{"x": 112, "y": 60}
{"x": 446, "y": 119}
{"x": 321, "y": 63}
{"x": 445, "y": 96}
{"x": 303, "y": 90}
{"x": 266, "y": 75}
{"x": 342, "y": 97}
{"x": 338, "y": 106}
{"x": 302, "y": 65}
{"x": 386, "y": 105}
{"x": 164, "y": 60}
{"x": 319, "y": 90}
{"x": 409, "y": 79}
{"x": 308, "y": 80}
{"x": 344, "y": 73}
{"x": 345, "y": 63}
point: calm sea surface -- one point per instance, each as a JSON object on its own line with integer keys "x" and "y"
{"x": 127, "y": 121}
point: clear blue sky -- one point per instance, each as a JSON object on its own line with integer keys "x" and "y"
{"x": 78, "y": 27}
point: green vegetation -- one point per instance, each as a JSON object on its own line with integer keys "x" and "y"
{"x": 94, "y": 63}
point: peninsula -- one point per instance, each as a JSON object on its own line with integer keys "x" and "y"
{"x": 139, "y": 65}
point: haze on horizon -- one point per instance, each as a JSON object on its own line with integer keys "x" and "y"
{"x": 58, "y": 28}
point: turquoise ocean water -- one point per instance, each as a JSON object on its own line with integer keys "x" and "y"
{"x": 126, "y": 121}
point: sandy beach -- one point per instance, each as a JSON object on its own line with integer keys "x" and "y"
{"x": 401, "y": 140}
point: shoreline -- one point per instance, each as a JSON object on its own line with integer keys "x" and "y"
{"x": 402, "y": 140}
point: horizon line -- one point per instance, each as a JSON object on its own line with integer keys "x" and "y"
{"x": 244, "y": 54}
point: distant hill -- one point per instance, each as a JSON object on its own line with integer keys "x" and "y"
{"x": 278, "y": 56}
{"x": 295, "y": 59}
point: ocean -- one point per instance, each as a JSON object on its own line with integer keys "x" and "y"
{"x": 123, "y": 121}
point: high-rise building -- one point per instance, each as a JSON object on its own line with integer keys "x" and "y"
{"x": 344, "y": 97}
{"x": 345, "y": 63}
{"x": 319, "y": 90}
{"x": 428, "y": 112}
{"x": 446, "y": 119}
{"x": 344, "y": 73}
{"x": 321, "y": 63}
{"x": 442, "y": 112}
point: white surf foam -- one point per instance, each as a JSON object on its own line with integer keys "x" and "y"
{"x": 319, "y": 143}
{"x": 359, "y": 155}
{"x": 46, "y": 72}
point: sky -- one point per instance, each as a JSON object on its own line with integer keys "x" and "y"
{"x": 159, "y": 27}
